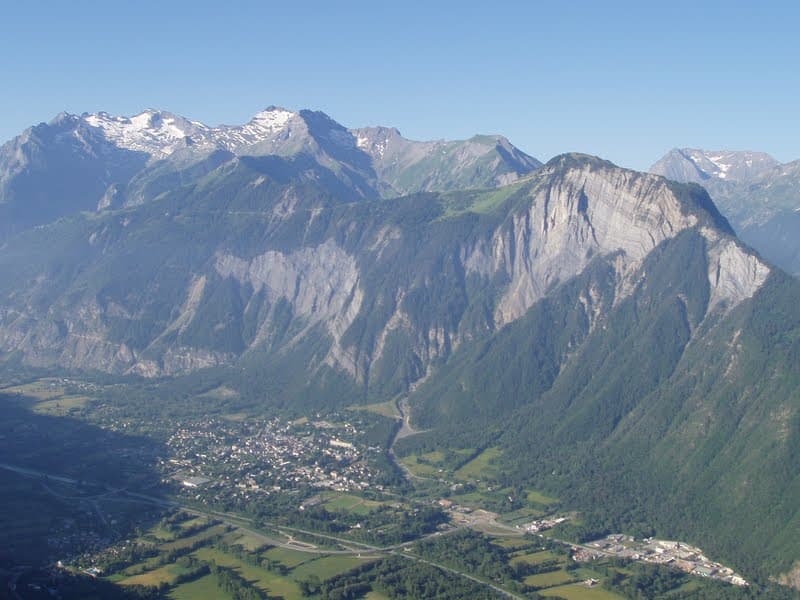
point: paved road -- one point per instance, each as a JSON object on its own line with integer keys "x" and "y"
{"x": 35, "y": 473}
{"x": 405, "y": 430}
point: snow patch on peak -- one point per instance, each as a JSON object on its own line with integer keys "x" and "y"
{"x": 160, "y": 134}
{"x": 269, "y": 126}
{"x": 728, "y": 164}
{"x": 156, "y": 133}
{"x": 722, "y": 168}
{"x": 272, "y": 118}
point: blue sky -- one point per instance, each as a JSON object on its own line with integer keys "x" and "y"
{"x": 623, "y": 80}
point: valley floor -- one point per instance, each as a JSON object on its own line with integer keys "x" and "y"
{"x": 298, "y": 508}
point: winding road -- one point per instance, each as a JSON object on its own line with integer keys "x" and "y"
{"x": 405, "y": 430}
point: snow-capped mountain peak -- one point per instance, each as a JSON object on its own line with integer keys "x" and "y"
{"x": 691, "y": 164}
{"x": 157, "y": 133}
{"x": 160, "y": 133}
{"x": 272, "y": 118}
{"x": 267, "y": 126}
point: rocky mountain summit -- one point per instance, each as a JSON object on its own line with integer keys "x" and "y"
{"x": 759, "y": 195}
{"x": 408, "y": 166}
{"x": 698, "y": 166}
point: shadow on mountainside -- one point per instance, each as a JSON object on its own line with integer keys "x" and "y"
{"x": 64, "y": 484}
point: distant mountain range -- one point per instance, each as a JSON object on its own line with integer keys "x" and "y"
{"x": 759, "y": 195}
{"x": 99, "y": 161}
{"x": 604, "y": 329}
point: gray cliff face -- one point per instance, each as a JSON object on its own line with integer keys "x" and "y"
{"x": 572, "y": 219}
{"x": 321, "y": 284}
{"x": 589, "y": 212}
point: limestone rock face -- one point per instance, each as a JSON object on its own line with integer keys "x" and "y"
{"x": 321, "y": 284}
{"x": 573, "y": 218}
{"x": 78, "y": 341}
{"x": 588, "y": 212}
{"x": 734, "y": 273}
{"x": 570, "y": 217}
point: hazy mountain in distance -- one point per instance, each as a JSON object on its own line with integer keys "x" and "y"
{"x": 759, "y": 195}
{"x": 408, "y": 166}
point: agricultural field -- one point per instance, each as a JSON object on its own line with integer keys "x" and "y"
{"x": 182, "y": 551}
{"x": 350, "y": 504}
{"x": 180, "y": 543}
{"x": 512, "y": 544}
{"x": 536, "y": 558}
{"x": 62, "y": 405}
{"x": 204, "y": 588}
{"x": 579, "y": 591}
{"x": 47, "y": 397}
{"x": 264, "y": 579}
{"x": 458, "y": 465}
{"x": 289, "y": 558}
{"x": 328, "y": 566}
{"x": 549, "y": 579}
{"x": 41, "y": 389}
{"x": 220, "y": 393}
{"x": 154, "y": 577}
{"x": 193, "y": 522}
{"x": 536, "y": 497}
{"x": 425, "y": 465}
{"x": 384, "y": 409}
{"x": 246, "y": 540}
{"x": 479, "y": 467}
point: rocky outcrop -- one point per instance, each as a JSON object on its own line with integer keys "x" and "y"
{"x": 576, "y": 210}
{"x": 734, "y": 273}
{"x": 79, "y": 340}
